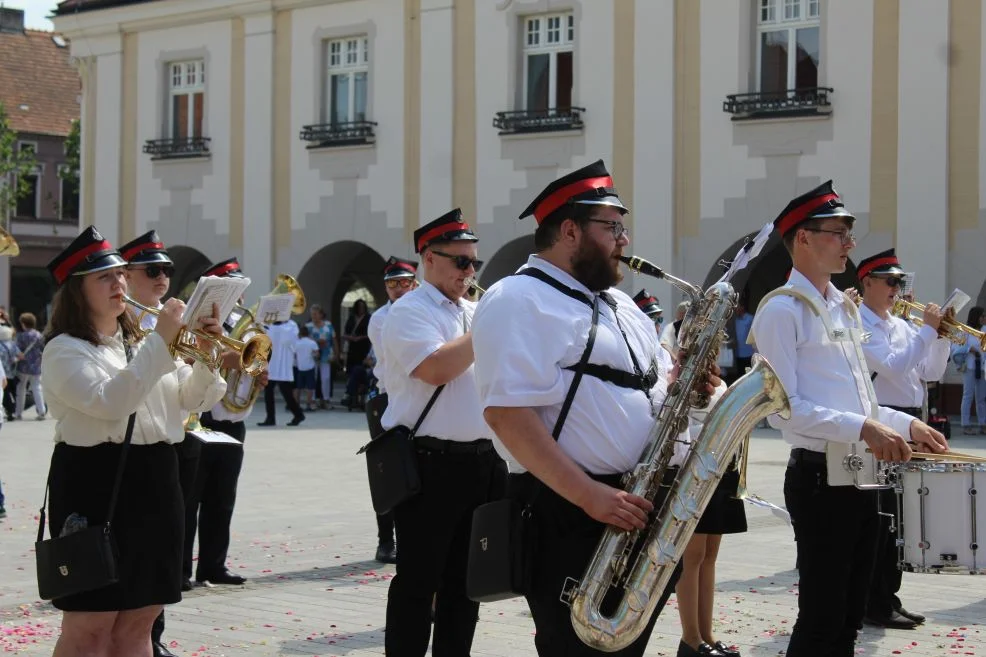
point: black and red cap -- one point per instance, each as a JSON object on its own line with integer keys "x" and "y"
{"x": 447, "y": 228}
{"x": 146, "y": 249}
{"x": 647, "y": 303}
{"x": 88, "y": 253}
{"x": 399, "y": 268}
{"x": 228, "y": 268}
{"x": 885, "y": 262}
{"x": 820, "y": 203}
{"x": 590, "y": 185}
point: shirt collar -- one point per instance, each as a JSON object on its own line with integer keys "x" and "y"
{"x": 871, "y": 317}
{"x": 833, "y": 297}
{"x": 560, "y": 275}
{"x": 436, "y": 295}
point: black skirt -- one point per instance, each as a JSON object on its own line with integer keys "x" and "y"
{"x": 725, "y": 514}
{"x": 148, "y": 523}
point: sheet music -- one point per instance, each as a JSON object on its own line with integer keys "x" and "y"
{"x": 907, "y": 287}
{"x": 215, "y": 437}
{"x": 224, "y": 292}
{"x": 957, "y": 300}
{"x": 275, "y": 308}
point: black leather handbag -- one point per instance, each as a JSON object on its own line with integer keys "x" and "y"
{"x": 392, "y": 463}
{"x": 84, "y": 560}
{"x": 503, "y": 538}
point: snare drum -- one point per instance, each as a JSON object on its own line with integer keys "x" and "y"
{"x": 941, "y": 522}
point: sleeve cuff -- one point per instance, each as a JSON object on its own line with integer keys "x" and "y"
{"x": 850, "y": 427}
{"x": 928, "y": 334}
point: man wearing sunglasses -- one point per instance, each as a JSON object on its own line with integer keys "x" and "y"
{"x": 427, "y": 343}
{"x": 810, "y": 333}
{"x": 399, "y": 279}
{"x": 149, "y": 272}
{"x": 901, "y": 358}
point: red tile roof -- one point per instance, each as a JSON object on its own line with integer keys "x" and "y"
{"x": 39, "y": 88}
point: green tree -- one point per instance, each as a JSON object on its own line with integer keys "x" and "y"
{"x": 15, "y": 167}
{"x": 70, "y": 172}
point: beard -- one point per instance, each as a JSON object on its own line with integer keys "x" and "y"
{"x": 595, "y": 267}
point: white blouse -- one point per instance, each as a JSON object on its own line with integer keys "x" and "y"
{"x": 92, "y": 390}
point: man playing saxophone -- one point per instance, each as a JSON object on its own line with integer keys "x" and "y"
{"x": 529, "y": 334}
{"x": 901, "y": 358}
{"x": 810, "y": 332}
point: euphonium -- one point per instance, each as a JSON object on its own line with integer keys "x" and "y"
{"x": 246, "y": 327}
{"x": 254, "y": 353}
{"x": 640, "y": 563}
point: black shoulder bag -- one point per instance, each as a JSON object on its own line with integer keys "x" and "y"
{"x": 392, "y": 464}
{"x": 502, "y": 542}
{"x": 84, "y": 560}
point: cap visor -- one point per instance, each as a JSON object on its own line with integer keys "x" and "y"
{"x": 151, "y": 258}
{"x": 110, "y": 261}
{"x": 612, "y": 201}
{"x": 400, "y": 274}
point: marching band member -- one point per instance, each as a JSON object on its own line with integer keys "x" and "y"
{"x": 399, "y": 279}
{"x": 93, "y": 386}
{"x": 651, "y": 307}
{"x": 211, "y": 505}
{"x": 901, "y": 358}
{"x": 428, "y": 343}
{"x": 809, "y": 331}
{"x": 149, "y": 271}
{"x": 530, "y": 332}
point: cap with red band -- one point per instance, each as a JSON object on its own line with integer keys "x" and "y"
{"x": 590, "y": 185}
{"x": 399, "y": 268}
{"x": 820, "y": 203}
{"x": 647, "y": 303}
{"x": 87, "y": 253}
{"x": 448, "y": 228}
{"x": 230, "y": 268}
{"x": 146, "y": 249}
{"x": 885, "y": 262}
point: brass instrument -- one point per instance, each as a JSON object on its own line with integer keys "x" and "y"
{"x": 247, "y": 325}
{"x": 950, "y": 328}
{"x": 8, "y": 245}
{"x": 640, "y": 563}
{"x": 254, "y": 353}
{"x": 474, "y": 287}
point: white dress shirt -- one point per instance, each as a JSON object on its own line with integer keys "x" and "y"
{"x": 902, "y": 357}
{"x": 283, "y": 338}
{"x": 526, "y": 332}
{"x": 92, "y": 390}
{"x": 375, "y": 332}
{"x": 824, "y": 380}
{"x": 414, "y": 329}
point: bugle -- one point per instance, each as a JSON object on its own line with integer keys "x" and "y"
{"x": 254, "y": 353}
{"x": 950, "y": 328}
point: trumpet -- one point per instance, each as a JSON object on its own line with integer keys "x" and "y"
{"x": 950, "y": 328}
{"x": 473, "y": 287}
{"x": 254, "y": 353}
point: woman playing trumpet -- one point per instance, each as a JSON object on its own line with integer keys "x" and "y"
{"x": 97, "y": 370}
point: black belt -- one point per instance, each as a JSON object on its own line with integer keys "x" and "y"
{"x": 621, "y": 378}
{"x": 442, "y": 446}
{"x": 802, "y": 456}
{"x": 913, "y": 411}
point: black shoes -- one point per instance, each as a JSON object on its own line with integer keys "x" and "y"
{"x": 703, "y": 650}
{"x": 160, "y": 650}
{"x": 296, "y": 421}
{"x": 186, "y": 584}
{"x": 917, "y": 618}
{"x": 266, "y": 423}
{"x": 386, "y": 553}
{"x": 726, "y": 650}
{"x": 225, "y": 577}
{"x": 895, "y": 621}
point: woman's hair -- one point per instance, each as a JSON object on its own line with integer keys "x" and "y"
{"x": 70, "y": 314}
{"x": 360, "y": 302}
{"x": 976, "y": 317}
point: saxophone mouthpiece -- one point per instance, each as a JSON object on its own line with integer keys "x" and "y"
{"x": 642, "y": 266}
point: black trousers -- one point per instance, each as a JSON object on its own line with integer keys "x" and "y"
{"x": 287, "y": 391}
{"x": 374, "y": 411}
{"x": 836, "y": 531}
{"x": 214, "y": 497}
{"x": 189, "y": 451}
{"x": 566, "y": 540}
{"x": 433, "y": 538}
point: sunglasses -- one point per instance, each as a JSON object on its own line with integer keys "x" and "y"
{"x": 461, "y": 261}
{"x": 153, "y": 271}
{"x": 893, "y": 281}
{"x": 402, "y": 283}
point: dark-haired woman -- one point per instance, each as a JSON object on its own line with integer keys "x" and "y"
{"x": 96, "y": 372}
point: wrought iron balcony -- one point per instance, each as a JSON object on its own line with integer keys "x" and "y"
{"x": 179, "y": 147}
{"x": 350, "y": 133}
{"x": 810, "y": 101}
{"x": 544, "y": 120}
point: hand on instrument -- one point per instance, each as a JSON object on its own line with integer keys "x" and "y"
{"x": 262, "y": 379}
{"x": 885, "y": 443}
{"x": 169, "y": 320}
{"x": 210, "y": 325}
{"x": 927, "y": 437}
{"x": 852, "y": 294}
{"x": 713, "y": 378}
{"x": 231, "y": 360}
{"x": 616, "y": 507}
{"x": 933, "y": 315}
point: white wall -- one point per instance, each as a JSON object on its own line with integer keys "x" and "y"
{"x": 436, "y": 82}
{"x": 258, "y": 124}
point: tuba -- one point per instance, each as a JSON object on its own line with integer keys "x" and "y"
{"x": 246, "y": 326}
{"x": 639, "y": 564}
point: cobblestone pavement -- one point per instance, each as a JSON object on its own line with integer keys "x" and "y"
{"x": 304, "y": 535}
